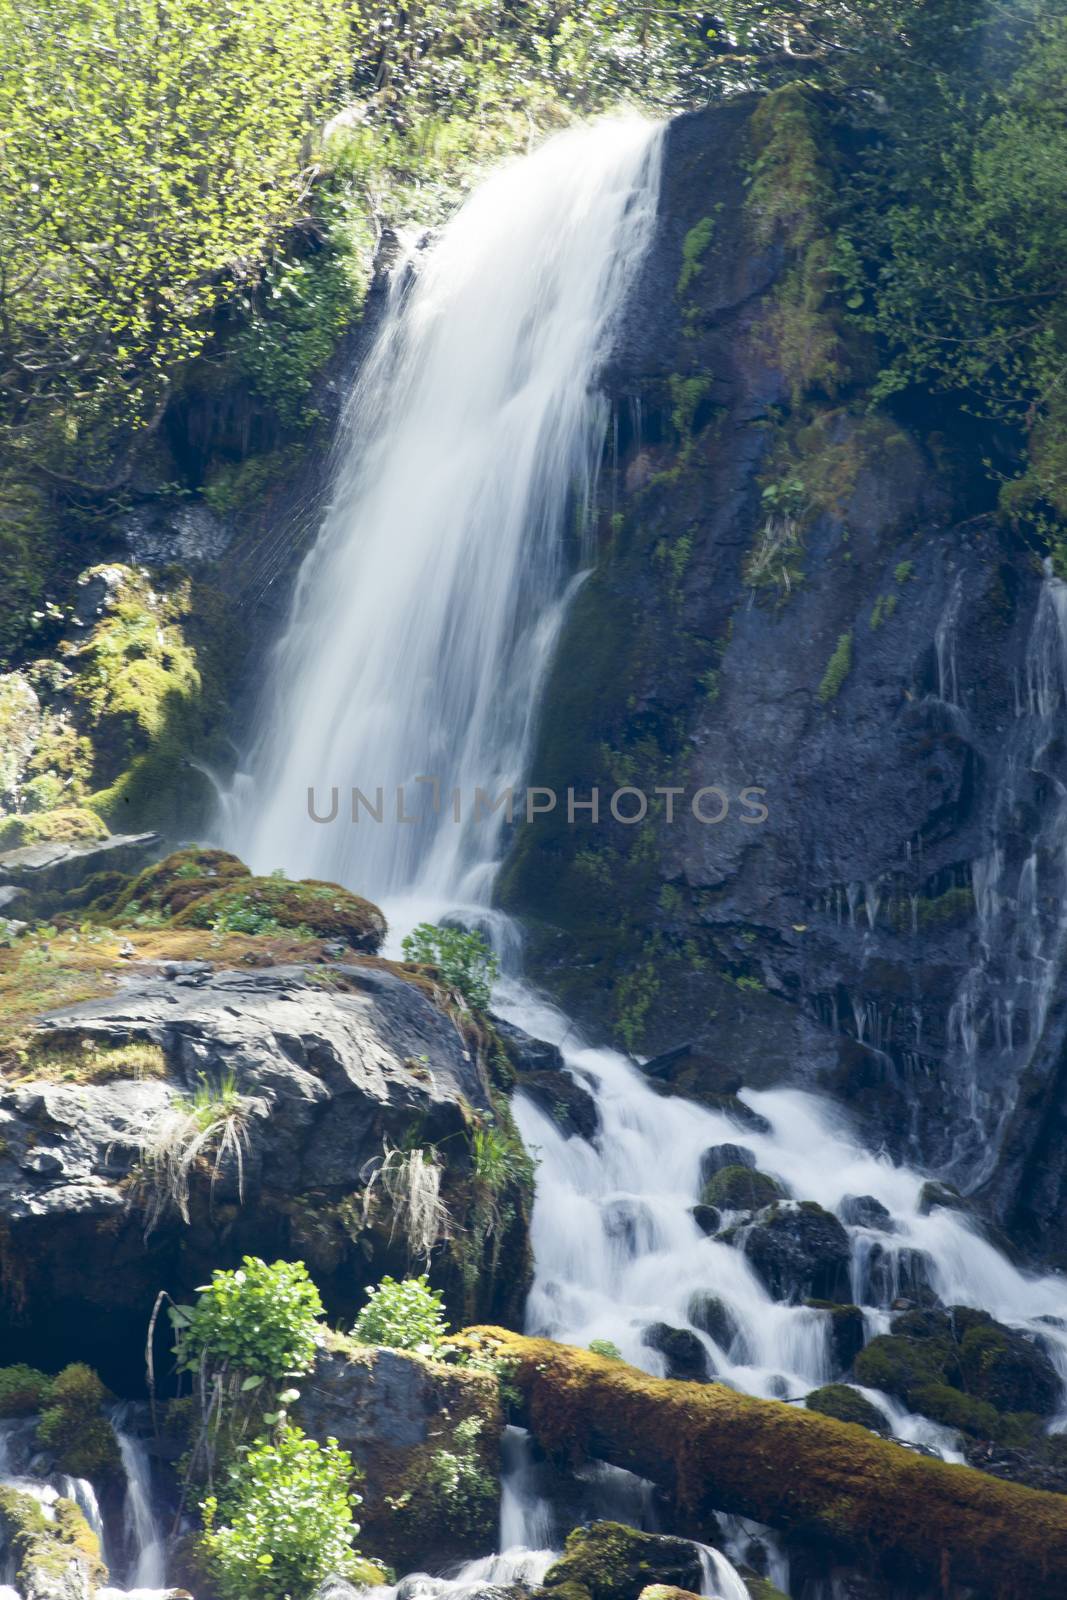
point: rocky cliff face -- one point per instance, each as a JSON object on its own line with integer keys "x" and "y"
{"x": 796, "y": 592}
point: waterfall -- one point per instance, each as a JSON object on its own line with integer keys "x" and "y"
{"x": 143, "y": 1535}
{"x": 427, "y": 612}
{"x": 421, "y": 629}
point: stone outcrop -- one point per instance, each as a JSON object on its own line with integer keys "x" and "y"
{"x": 329, "y": 1068}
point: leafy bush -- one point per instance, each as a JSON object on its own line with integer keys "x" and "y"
{"x": 261, "y": 1320}
{"x": 405, "y": 1316}
{"x": 605, "y": 1348}
{"x": 284, "y": 1521}
{"x": 22, "y": 1390}
{"x": 461, "y": 956}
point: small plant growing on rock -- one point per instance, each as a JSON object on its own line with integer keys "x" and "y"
{"x": 461, "y": 956}
{"x": 405, "y": 1316}
{"x": 410, "y": 1180}
{"x": 605, "y": 1348}
{"x": 283, "y": 1523}
{"x": 214, "y": 1119}
{"x": 259, "y": 1320}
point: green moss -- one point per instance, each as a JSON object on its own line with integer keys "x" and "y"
{"x": 883, "y": 609}
{"x": 847, "y": 1405}
{"x": 86, "y": 1061}
{"x": 837, "y": 669}
{"x": 180, "y": 878}
{"x": 694, "y": 247}
{"x": 903, "y": 571}
{"x": 610, "y": 1561}
{"x": 263, "y": 905}
{"x": 23, "y": 1390}
{"x": 740, "y": 1189}
{"x": 44, "y": 1551}
{"x": 242, "y": 486}
{"x": 70, "y": 824}
{"x": 686, "y": 396}
{"x": 74, "y": 1428}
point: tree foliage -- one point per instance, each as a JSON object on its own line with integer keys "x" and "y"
{"x": 148, "y": 153}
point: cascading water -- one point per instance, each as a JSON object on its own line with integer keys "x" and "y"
{"x": 427, "y": 612}
{"x": 421, "y": 629}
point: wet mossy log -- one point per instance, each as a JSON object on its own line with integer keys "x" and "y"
{"x": 796, "y": 1470}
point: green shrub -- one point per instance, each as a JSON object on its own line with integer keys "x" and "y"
{"x": 605, "y": 1348}
{"x": 462, "y": 957}
{"x": 284, "y": 1522}
{"x": 23, "y": 1390}
{"x": 261, "y": 1320}
{"x": 405, "y": 1316}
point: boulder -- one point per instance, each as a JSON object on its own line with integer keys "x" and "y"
{"x": 707, "y": 1218}
{"x": 720, "y": 1156}
{"x": 847, "y": 1330}
{"x": 396, "y": 1413}
{"x": 330, "y": 1066}
{"x": 741, "y": 1188}
{"x": 563, "y": 1101}
{"x": 713, "y": 1316}
{"x": 800, "y": 1251}
{"x": 610, "y": 1561}
{"x": 840, "y": 1400}
{"x": 46, "y": 873}
{"x": 864, "y": 1211}
{"x": 684, "y": 1354}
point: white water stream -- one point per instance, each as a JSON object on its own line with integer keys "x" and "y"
{"x": 421, "y": 629}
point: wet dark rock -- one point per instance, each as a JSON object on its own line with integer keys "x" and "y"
{"x": 1039, "y": 1468}
{"x": 526, "y": 1053}
{"x": 329, "y": 1074}
{"x": 935, "y": 1195}
{"x": 891, "y": 1273}
{"x": 610, "y": 1561}
{"x": 570, "y": 1106}
{"x": 741, "y": 1188}
{"x": 683, "y": 1352}
{"x": 847, "y": 1331}
{"x": 713, "y": 1316}
{"x": 392, "y": 1410}
{"x": 707, "y": 1218}
{"x": 847, "y": 1405}
{"x": 801, "y": 1252}
{"x": 864, "y": 1211}
{"x": 720, "y": 1156}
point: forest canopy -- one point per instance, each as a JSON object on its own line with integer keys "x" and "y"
{"x": 167, "y": 170}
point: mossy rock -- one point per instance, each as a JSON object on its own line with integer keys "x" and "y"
{"x": 713, "y": 1316}
{"x": 1009, "y": 1370}
{"x": 67, "y": 825}
{"x": 262, "y": 905}
{"x": 847, "y": 1330}
{"x": 20, "y": 723}
{"x": 609, "y": 1561}
{"x": 935, "y": 1195}
{"x": 23, "y": 1390}
{"x": 740, "y": 1188}
{"x": 52, "y": 1557}
{"x": 75, "y": 1429}
{"x": 168, "y": 886}
{"x": 847, "y": 1405}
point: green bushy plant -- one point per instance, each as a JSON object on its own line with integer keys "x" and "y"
{"x": 23, "y": 1390}
{"x": 283, "y": 1522}
{"x": 260, "y": 1320}
{"x": 406, "y": 1316}
{"x": 461, "y": 956}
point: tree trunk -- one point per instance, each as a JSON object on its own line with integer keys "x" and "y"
{"x": 949, "y": 1527}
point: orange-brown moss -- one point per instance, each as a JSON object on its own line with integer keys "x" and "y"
{"x": 796, "y": 1470}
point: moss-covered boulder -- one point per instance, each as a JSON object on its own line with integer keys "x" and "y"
{"x": 965, "y": 1370}
{"x": 73, "y": 1426}
{"x": 263, "y": 905}
{"x": 168, "y": 886}
{"x": 609, "y": 1561}
{"x": 20, "y": 722}
{"x": 55, "y": 1558}
{"x": 740, "y": 1188}
{"x": 720, "y": 1156}
{"x": 66, "y": 825}
{"x": 847, "y": 1405}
